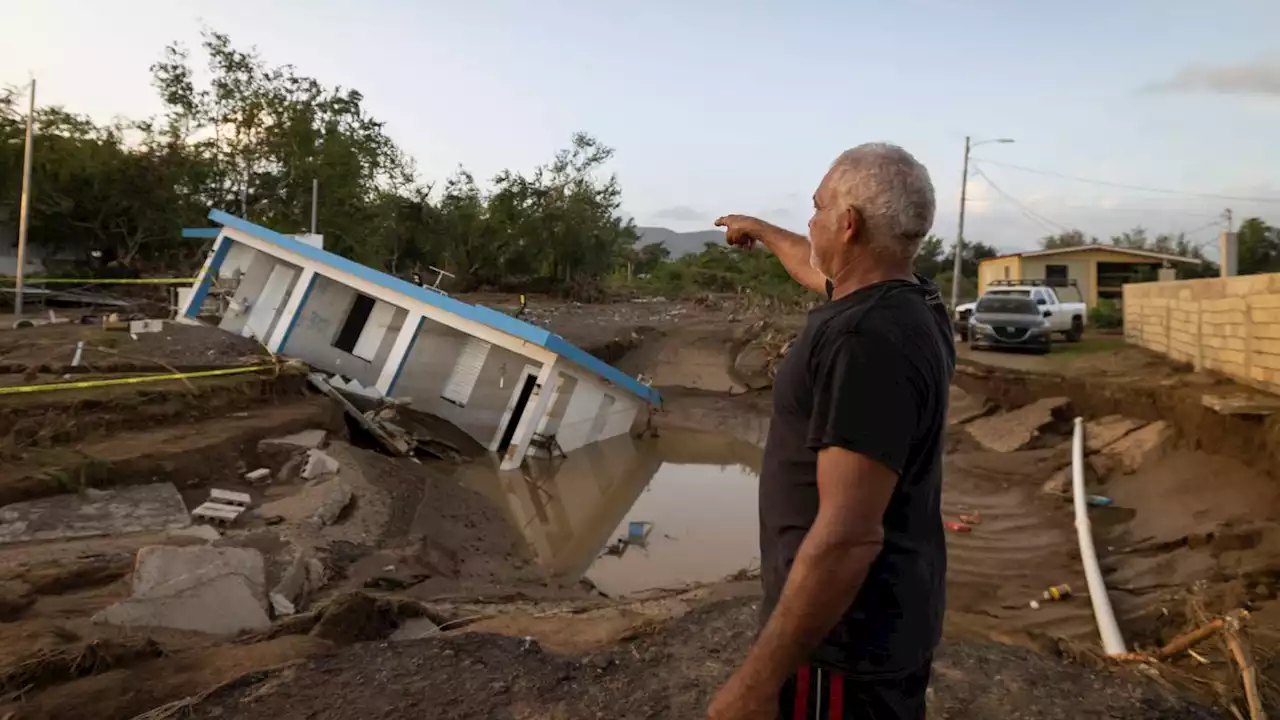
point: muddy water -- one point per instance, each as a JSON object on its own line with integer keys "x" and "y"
{"x": 692, "y": 496}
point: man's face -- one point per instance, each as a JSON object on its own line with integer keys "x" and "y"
{"x": 830, "y": 229}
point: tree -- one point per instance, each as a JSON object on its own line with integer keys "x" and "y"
{"x": 1065, "y": 239}
{"x": 1258, "y": 247}
{"x": 1134, "y": 239}
{"x": 928, "y": 260}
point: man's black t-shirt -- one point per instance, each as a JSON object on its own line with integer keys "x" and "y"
{"x": 870, "y": 373}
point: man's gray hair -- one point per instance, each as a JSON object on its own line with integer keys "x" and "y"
{"x": 892, "y": 192}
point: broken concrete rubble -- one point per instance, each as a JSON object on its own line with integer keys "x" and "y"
{"x": 337, "y": 495}
{"x": 307, "y": 440}
{"x": 305, "y": 576}
{"x": 1108, "y": 429}
{"x": 1014, "y": 430}
{"x": 136, "y": 508}
{"x": 318, "y": 463}
{"x": 204, "y": 589}
{"x": 1139, "y": 447}
{"x": 414, "y": 629}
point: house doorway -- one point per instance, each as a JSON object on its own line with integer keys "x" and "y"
{"x": 530, "y": 381}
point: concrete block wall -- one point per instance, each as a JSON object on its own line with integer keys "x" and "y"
{"x": 1228, "y": 325}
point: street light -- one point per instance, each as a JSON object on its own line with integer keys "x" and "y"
{"x": 964, "y": 183}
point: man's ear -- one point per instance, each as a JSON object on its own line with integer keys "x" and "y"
{"x": 853, "y": 229}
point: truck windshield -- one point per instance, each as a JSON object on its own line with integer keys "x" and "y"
{"x": 1011, "y": 293}
{"x": 1007, "y": 305}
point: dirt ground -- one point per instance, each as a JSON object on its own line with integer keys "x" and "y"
{"x": 421, "y": 544}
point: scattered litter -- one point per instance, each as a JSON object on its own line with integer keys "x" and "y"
{"x": 318, "y": 463}
{"x": 1058, "y": 592}
{"x": 1098, "y": 500}
{"x": 971, "y": 519}
{"x": 145, "y": 326}
{"x": 257, "y": 475}
{"x": 957, "y": 527}
{"x": 1035, "y": 604}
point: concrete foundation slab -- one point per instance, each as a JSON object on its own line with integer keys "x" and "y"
{"x": 1015, "y": 429}
{"x": 136, "y": 508}
{"x": 206, "y": 589}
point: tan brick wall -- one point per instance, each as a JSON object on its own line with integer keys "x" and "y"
{"x": 1229, "y": 325}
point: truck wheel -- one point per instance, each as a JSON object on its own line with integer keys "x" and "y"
{"x": 1077, "y": 330}
{"x": 964, "y": 336}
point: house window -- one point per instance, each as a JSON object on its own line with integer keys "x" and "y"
{"x": 462, "y": 379}
{"x": 1055, "y": 275}
{"x": 365, "y": 327}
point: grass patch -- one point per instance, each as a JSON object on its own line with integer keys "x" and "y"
{"x": 1090, "y": 345}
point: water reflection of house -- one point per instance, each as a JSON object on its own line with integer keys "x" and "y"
{"x": 504, "y": 382}
{"x": 568, "y": 510}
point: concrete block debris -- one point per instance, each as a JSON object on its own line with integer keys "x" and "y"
{"x": 257, "y": 476}
{"x": 203, "y": 589}
{"x": 135, "y": 508}
{"x": 317, "y": 464}
{"x": 217, "y": 512}
{"x": 230, "y": 497}
{"x": 307, "y": 439}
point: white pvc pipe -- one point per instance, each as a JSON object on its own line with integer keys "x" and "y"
{"x": 1112, "y": 641}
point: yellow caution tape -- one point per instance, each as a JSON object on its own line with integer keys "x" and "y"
{"x": 20, "y": 389}
{"x": 103, "y": 281}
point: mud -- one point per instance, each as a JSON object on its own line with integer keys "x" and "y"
{"x": 486, "y": 555}
{"x": 670, "y": 672}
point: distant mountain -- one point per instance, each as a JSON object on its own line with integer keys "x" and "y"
{"x": 678, "y": 243}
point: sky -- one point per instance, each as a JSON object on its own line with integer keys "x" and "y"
{"x": 739, "y": 107}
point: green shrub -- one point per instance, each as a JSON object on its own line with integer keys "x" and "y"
{"x": 1106, "y": 315}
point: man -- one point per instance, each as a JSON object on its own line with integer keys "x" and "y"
{"x": 852, "y": 548}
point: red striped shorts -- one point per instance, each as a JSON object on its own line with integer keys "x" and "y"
{"x": 815, "y": 693}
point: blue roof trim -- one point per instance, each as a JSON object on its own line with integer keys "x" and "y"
{"x": 207, "y": 233}
{"x": 478, "y": 313}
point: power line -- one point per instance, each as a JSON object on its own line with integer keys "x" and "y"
{"x": 1028, "y": 212}
{"x": 1107, "y": 183}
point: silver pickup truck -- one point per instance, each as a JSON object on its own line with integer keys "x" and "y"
{"x": 1067, "y": 318}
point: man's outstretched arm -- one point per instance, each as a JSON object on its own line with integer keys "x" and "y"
{"x": 790, "y": 248}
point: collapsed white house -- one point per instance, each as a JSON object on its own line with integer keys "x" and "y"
{"x": 480, "y": 369}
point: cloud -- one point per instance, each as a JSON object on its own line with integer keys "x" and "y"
{"x": 680, "y": 213}
{"x": 1259, "y": 77}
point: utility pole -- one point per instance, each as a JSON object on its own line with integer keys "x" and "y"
{"x": 24, "y": 207}
{"x": 1226, "y": 215}
{"x": 955, "y": 271}
{"x": 315, "y": 199}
